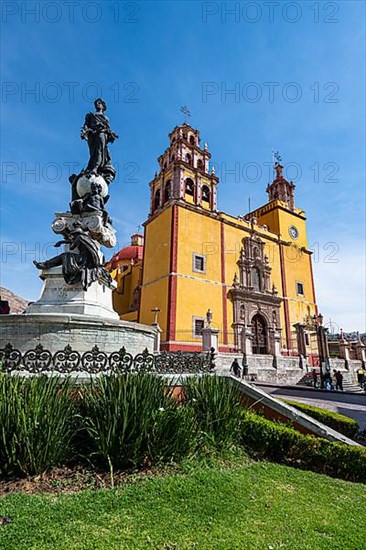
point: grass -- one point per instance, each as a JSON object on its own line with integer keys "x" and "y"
{"x": 204, "y": 506}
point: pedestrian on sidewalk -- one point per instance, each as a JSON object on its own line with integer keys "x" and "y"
{"x": 327, "y": 381}
{"x": 235, "y": 368}
{"x": 360, "y": 376}
{"x": 315, "y": 377}
{"x": 339, "y": 380}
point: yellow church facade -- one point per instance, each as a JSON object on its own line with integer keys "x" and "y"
{"x": 252, "y": 274}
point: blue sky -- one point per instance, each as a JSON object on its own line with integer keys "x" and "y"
{"x": 296, "y": 72}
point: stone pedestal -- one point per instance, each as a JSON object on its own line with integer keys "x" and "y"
{"x": 82, "y": 332}
{"x": 68, "y": 315}
{"x": 158, "y": 332}
{"x": 277, "y": 343}
{"x": 344, "y": 350}
{"x": 247, "y": 338}
{"x": 102, "y": 232}
{"x": 360, "y": 351}
{"x": 210, "y": 339}
{"x": 59, "y": 297}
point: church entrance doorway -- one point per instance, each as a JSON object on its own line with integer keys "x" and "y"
{"x": 260, "y": 335}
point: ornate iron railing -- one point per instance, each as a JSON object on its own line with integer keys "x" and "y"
{"x": 67, "y": 360}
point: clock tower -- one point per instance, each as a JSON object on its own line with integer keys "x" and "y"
{"x": 282, "y": 217}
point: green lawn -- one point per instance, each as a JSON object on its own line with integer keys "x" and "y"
{"x": 259, "y": 505}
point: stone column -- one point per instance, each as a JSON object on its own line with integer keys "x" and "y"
{"x": 157, "y": 328}
{"x": 247, "y": 337}
{"x": 301, "y": 342}
{"x": 158, "y": 332}
{"x": 210, "y": 338}
{"x": 323, "y": 348}
{"x": 277, "y": 342}
{"x": 238, "y": 328}
{"x": 360, "y": 350}
{"x": 344, "y": 350}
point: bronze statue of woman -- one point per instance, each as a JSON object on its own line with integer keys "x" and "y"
{"x": 97, "y": 132}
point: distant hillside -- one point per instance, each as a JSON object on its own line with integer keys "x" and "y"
{"x": 16, "y": 303}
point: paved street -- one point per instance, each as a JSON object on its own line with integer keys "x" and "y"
{"x": 352, "y": 405}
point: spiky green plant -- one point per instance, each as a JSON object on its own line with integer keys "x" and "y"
{"x": 131, "y": 419}
{"x": 37, "y": 423}
{"x": 216, "y": 403}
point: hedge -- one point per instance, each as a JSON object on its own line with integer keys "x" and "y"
{"x": 342, "y": 424}
{"x": 280, "y": 443}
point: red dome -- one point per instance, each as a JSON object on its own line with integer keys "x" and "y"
{"x": 127, "y": 253}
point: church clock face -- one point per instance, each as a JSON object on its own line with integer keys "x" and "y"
{"x": 293, "y": 231}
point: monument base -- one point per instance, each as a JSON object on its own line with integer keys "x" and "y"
{"x": 55, "y": 331}
{"x": 68, "y": 315}
{"x": 59, "y": 297}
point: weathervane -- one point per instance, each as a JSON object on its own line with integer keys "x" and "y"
{"x": 277, "y": 159}
{"x": 186, "y": 112}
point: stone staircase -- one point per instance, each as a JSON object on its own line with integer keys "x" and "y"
{"x": 349, "y": 382}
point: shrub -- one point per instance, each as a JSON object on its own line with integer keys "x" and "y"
{"x": 339, "y": 422}
{"x": 216, "y": 404}
{"x": 132, "y": 419}
{"x": 37, "y": 420}
{"x": 280, "y": 443}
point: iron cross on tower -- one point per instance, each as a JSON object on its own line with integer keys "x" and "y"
{"x": 186, "y": 112}
{"x": 277, "y": 159}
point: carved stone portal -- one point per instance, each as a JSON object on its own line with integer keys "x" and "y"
{"x": 256, "y": 304}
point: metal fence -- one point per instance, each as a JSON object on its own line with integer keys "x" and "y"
{"x": 67, "y": 360}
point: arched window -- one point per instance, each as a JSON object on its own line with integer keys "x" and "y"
{"x": 188, "y": 158}
{"x": 184, "y": 136}
{"x": 189, "y": 187}
{"x": 192, "y": 140}
{"x": 165, "y": 164}
{"x": 256, "y": 278}
{"x": 205, "y": 194}
{"x": 157, "y": 200}
{"x": 168, "y": 191}
{"x": 200, "y": 164}
{"x": 259, "y": 334}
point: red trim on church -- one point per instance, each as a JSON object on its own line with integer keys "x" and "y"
{"x": 285, "y": 303}
{"x": 224, "y": 288}
{"x": 312, "y": 283}
{"x": 172, "y": 288}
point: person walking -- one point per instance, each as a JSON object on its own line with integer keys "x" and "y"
{"x": 327, "y": 381}
{"x": 314, "y": 377}
{"x": 235, "y": 368}
{"x": 360, "y": 376}
{"x": 339, "y": 380}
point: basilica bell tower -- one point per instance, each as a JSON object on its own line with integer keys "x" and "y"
{"x": 281, "y": 189}
{"x": 184, "y": 173}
